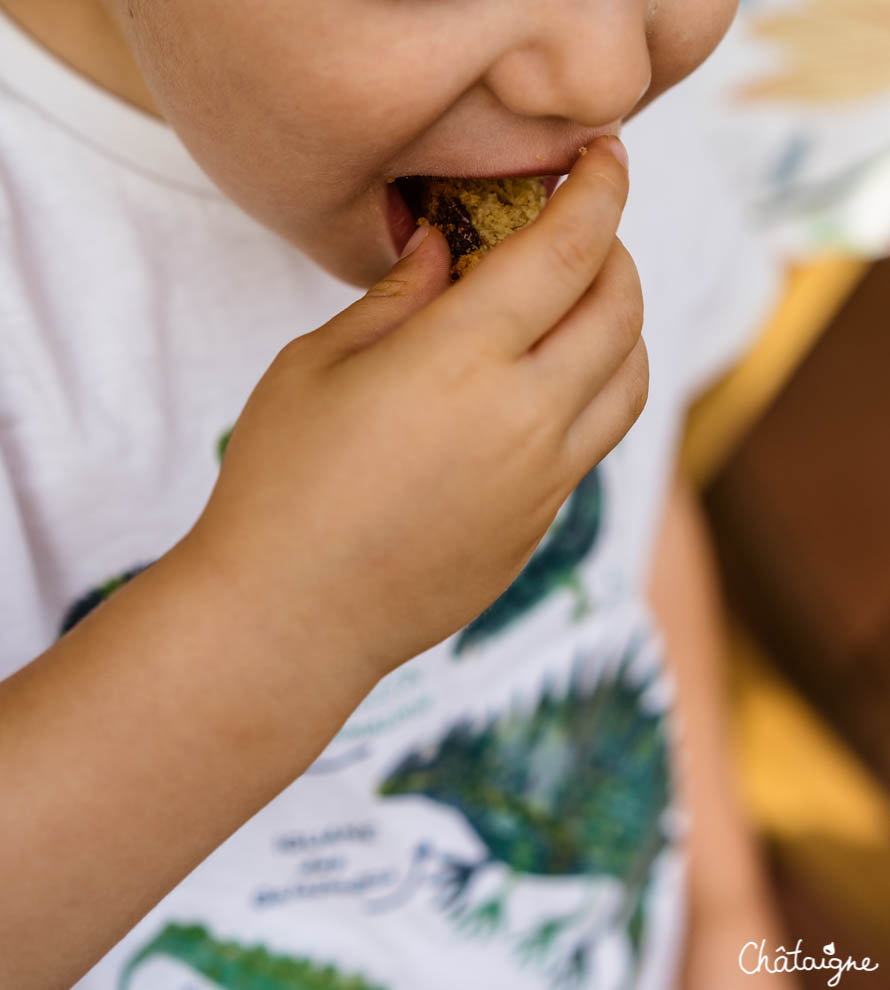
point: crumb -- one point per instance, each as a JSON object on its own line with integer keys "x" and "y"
{"x": 582, "y": 150}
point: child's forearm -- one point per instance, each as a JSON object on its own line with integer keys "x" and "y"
{"x": 729, "y": 894}
{"x": 136, "y": 745}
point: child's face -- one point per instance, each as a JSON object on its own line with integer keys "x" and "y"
{"x": 301, "y": 110}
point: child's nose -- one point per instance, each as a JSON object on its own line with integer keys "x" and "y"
{"x": 588, "y": 63}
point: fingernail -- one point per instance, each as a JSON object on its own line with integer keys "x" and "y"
{"x": 416, "y": 239}
{"x": 616, "y": 146}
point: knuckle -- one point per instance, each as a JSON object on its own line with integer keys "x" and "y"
{"x": 488, "y": 337}
{"x": 628, "y": 318}
{"x": 604, "y": 178}
{"x": 625, "y": 296}
{"x": 572, "y": 248}
{"x": 294, "y": 351}
{"x": 627, "y": 264}
{"x": 391, "y": 286}
{"x": 611, "y": 180}
{"x": 554, "y": 492}
{"x": 532, "y": 419}
{"x": 638, "y": 380}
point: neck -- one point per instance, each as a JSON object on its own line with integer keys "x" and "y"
{"x": 83, "y": 34}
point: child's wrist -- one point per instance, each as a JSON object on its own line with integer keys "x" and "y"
{"x": 295, "y": 640}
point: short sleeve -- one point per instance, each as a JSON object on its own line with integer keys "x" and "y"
{"x": 27, "y": 631}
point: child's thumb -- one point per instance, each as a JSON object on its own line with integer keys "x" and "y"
{"x": 420, "y": 275}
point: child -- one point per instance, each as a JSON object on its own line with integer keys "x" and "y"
{"x": 419, "y": 583}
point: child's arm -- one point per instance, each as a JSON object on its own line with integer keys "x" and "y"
{"x": 137, "y": 744}
{"x": 730, "y": 903}
{"x": 390, "y": 475}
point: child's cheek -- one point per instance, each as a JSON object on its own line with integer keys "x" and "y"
{"x": 682, "y": 34}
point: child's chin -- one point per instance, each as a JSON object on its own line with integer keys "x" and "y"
{"x": 360, "y": 264}
{"x": 362, "y": 274}
{"x": 363, "y": 269}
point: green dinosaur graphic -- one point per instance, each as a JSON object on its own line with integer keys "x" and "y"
{"x": 577, "y": 787}
{"x": 569, "y": 540}
{"x": 93, "y": 598}
{"x": 234, "y": 967}
{"x": 222, "y": 443}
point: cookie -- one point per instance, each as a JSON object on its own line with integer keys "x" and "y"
{"x": 473, "y": 214}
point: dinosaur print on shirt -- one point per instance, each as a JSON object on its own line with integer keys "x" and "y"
{"x": 579, "y": 786}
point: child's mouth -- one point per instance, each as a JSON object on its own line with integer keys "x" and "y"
{"x": 402, "y": 222}
{"x": 409, "y": 198}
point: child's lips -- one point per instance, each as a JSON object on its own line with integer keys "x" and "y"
{"x": 402, "y": 223}
{"x": 550, "y": 183}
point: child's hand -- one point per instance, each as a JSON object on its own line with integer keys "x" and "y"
{"x": 394, "y": 470}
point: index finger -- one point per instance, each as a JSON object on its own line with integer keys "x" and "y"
{"x": 533, "y": 278}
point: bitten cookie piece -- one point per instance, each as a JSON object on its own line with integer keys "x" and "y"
{"x": 473, "y": 214}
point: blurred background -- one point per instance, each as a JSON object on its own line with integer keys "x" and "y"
{"x": 792, "y": 453}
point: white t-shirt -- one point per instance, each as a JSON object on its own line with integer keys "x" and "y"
{"x": 500, "y": 812}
